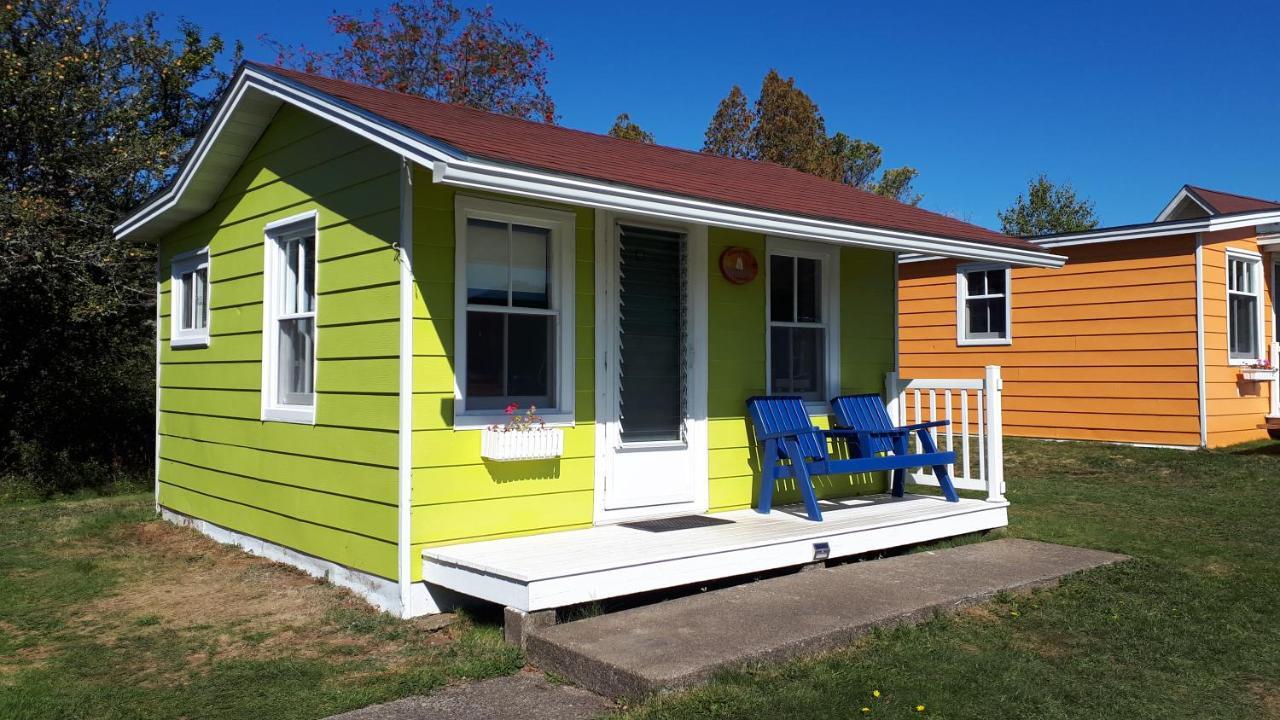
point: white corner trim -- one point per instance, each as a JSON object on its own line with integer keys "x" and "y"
{"x": 1202, "y": 401}
{"x": 404, "y": 509}
{"x": 155, "y": 492}
{"x": 377, "y": 591}
{"x": 962, "y": 294}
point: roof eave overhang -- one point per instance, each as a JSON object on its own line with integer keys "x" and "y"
{"x": 449, "y": 166}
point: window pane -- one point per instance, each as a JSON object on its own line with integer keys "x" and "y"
{"x": 530, "y": 266}
{"x": 188, "y": 301}
{"x": 200, "y": 303}
{"x": 995, "y": 282}
{"x": 289, "y": 286}
{"x": 486, "y": 354}
{"x": 1243, "y": 340}
{"x": 809, "y": 290}
{"x": 488, "y": 259}
{"x": 797, "y": 361}
{"x": 530, "y": 358}
{"x": 782, "y": 288}
{"x": 976, "y": 282}
{"x": 295, "y": 384}
{"x": 985, "y": 318}
{"x": 307, "y": 256}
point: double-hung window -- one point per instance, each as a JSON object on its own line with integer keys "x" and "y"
{"x": 289, "y": 333}
{"x": 189, "y": 294}
{"x": 983, "y": 305}
{"x": 1244, "y": 307}
{"x": 515, "y": 309}
{"x": 803, "y": 343}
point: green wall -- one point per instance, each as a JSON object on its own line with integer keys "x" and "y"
{"x": 736, "y": 365}
{"x": 330, "y": 489}
{"x": 457, "y": 497}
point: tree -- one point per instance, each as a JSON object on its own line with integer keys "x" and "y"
{"x": 729, "y": 134}
{"x": 788, "y": 129}
{"x": 624, "y": 129}
{"x": 1047, "y": 208}
{"x": 96, "y": 114}
{"x": 434, "y": 49}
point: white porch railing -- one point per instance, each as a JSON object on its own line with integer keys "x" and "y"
{"x": 1275, "y": 381}
{"x": 973, "y": 409}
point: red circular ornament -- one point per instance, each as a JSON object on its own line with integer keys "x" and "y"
{"x": 738, "y": 265}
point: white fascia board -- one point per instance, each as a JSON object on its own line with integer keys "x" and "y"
{"x": 620, "y": 198}
{"x": 1177, "y": 200}
{"x": 1185, "y": 227}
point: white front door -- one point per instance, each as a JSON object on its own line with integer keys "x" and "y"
{"x": 652, "y": 391}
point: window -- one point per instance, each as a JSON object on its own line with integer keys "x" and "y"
{"x": 803, "y": 346}
{"x": 1244, "y": 307}
{"x": 983, "y": 305}
{"x": 289, "y": 330}
{"x": 515, "y": 304}
{"x": 189, "y": 295}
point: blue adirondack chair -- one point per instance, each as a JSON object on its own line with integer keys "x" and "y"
{"x": 795, "y": 448}
{"x": 874, "y": 434}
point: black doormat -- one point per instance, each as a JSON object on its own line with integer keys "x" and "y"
{"x": 682, "y": 522}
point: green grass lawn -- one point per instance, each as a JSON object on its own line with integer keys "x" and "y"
{"x": 1190, "y": 628}
{"x": 106, "y": 613}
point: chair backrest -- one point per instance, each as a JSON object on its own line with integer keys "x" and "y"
{"x": 865, "y": 412}
{"x": 772, "y": 414}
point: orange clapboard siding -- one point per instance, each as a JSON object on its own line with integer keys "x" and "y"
{"x": 1104, "y": 349}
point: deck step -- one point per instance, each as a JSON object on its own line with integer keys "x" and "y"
{"x": 682, "y": 642}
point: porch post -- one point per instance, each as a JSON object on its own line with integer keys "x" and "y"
{"x": 992, "y": 386}
{"x": 1275, "y": 380}
{"x": 891, "y": 396}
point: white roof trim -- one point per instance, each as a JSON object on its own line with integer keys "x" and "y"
{"x": 1183, "y": 194}
{"x": 1160, "y": 229}
{"x": 182, "y": 200}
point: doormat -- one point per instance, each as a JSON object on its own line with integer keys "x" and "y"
{"x": 682, "y": 522}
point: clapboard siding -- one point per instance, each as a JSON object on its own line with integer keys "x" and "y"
{"x": 1104, "y": 348}
{"x": 330, "y": 489}
{"x": 1235, "y": 408}
{"x": 456, "y": 496}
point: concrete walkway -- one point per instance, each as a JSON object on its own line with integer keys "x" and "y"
{"x": 525, "y": 696}
{"x": 675, "y": 644}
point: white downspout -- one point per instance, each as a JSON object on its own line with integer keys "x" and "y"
{"x": 404, "y": 535}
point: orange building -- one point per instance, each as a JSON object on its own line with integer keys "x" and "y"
{"x": 1150, "y": 334}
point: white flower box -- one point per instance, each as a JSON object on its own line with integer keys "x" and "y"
{"x": 1258, "y": 374}
{"x": 513, "y": 445}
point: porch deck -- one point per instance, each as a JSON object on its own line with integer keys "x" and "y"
{"x": 540, "y": 572}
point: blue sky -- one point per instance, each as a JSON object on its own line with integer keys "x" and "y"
{"x": 1127, "y": 101}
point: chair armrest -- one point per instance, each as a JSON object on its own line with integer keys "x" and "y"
{"x": 923, "y": 425}
{"x": 785, "y": 434}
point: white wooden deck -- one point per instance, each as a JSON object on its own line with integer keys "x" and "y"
{"x": 556, "y": 569}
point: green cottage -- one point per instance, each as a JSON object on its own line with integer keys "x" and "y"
{"x": 354, "y": 286}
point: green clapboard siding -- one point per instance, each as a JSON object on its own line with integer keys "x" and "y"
{"x": 328, "y": 490}
{"x": 456, "y": 496}
{"x": 736, "y": 365}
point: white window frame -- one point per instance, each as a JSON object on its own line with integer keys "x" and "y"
{"x": 182, "y": 264}
{"x": 962, "y": 295}
{"x": 1254, "y": 259}
{"x": 562, "y": 226}
{"x": 272, "y": 409}
{"x": 829, "y": 258}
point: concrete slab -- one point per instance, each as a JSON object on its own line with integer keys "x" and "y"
{"x": 525, "y": 696}
{"x": 679, "y": 643}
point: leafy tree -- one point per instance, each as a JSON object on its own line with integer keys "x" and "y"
{"x": 1047, "y": 208}
{"x": 96, "y": 114}
{"x": 729, "y": 133}
{"x": 435, "y": 49}
{"x": 624, "y": 129}
{"x": 787, "y": 128}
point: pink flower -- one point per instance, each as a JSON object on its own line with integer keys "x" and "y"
{"x": 511, "y": 409}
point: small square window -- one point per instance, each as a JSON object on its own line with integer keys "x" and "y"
{"x": 189, "y": 306}
{"x": 982, "y": 305}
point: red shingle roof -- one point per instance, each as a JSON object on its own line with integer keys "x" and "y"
{"x": 1221, "y": 203}
{"x": 745, "y": 183}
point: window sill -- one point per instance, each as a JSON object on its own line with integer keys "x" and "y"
{"x": 962, "y": 342}
{"x": 480, "y": 422}
{"x": 179, "y": 343}
{"x": 297, "y": 415}
{"x": 1240, "y": 362}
